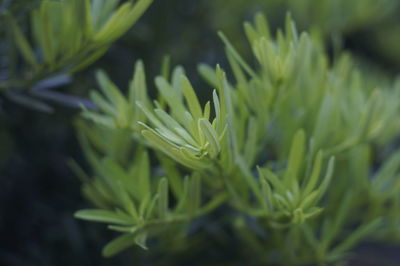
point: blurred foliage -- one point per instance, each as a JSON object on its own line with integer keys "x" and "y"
{"x": 289, "y": 146}
{"x": 54, "y": 44}
{"x": 372, "y": 20}
{"x": 326, "y": 16}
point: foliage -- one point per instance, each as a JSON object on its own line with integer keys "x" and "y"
{"x": 326, "y": 15}
{"x": 62, "y": 38}
{"x": 298, "y": 147}
{"x": 336, "y": 21}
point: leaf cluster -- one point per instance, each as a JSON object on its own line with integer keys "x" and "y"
{"x": 59, "y": 37}
{"x": 338, "y": 22}
{"x": 290, "y": 145}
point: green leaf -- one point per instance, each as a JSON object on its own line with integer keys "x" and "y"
{"x": 104, "y": 216}
{"x": 85, "y": 13}
{"x": 295, "y": 157}
{"x": 309, "y": 200}
{"x": 179, "y": 154}
{"x": 240, "y": 76}
{"x": 173, "y": 175}
{"x": 102, "y": 103}
{"x": 321, "y": 131}
{"x": 175, "y": 126}
{"x": 230, "y": 49}
{"x": 211, "y": 136}
{"x": 89, "y": 59}
{"x": 163, "y": 198}
{"x": 99, "y": 119}
{"x": 143, "y": 185}
{"x": 328, "y": 176}
{"x": 207, "y": 110}
{"x": 262, "y": 26}
{"x": 21, "y": 42}
{"x": 140, "y": 240}
{"x": 208, "y": 74}
{"x": 191, "y": 98}
{"x": 119, "y": 244}
{"x": 123, "y": 229}
{"x": 138, "y": 90}
{"x": 312, "y": 181}
{"x": 183, "y": 204}
{"x": 126, "y": 201}
{"x": 217, "y": 201}
{"x": 251, "y": 34}
{"x": 273, "y": 179}
{"x": 266, "y": 192}
{"x": 100, "y": 11}
{"x": 44, "y": 31}
{"x": 251, "y": 145}
{"x": 110, "y": 90}
{"x": 112, "y": 29}
{"x": 195, "y": 194}
{"x": 217, "y": 107}
{"x": 171, "y": 96}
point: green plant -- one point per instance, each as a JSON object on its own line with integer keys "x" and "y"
{"x": 61, "y": 38}
{"x": 326, "y": 15}
{"x": 298, "y": 147}
{"x": 339, "y": 22}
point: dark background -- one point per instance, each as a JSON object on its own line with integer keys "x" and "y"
{"x": 38, "y": 191}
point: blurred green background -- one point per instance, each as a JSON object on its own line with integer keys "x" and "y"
{"x": 39, "y": 193}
